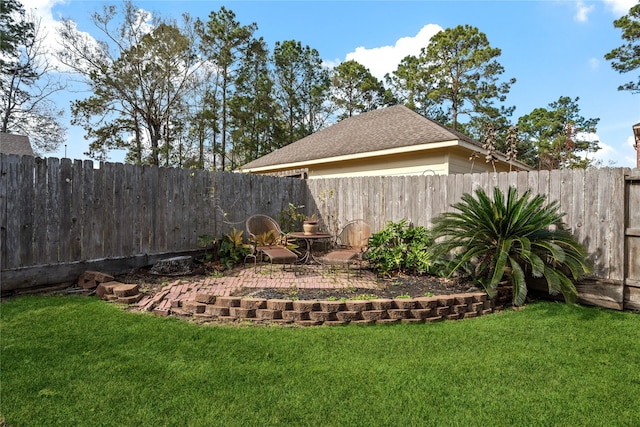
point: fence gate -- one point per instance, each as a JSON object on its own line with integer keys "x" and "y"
{"x": 632, "y": 241}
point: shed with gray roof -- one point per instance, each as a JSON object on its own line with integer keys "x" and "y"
{"x": 391, "y": 141}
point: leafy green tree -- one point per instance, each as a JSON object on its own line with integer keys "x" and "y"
{"x": 301, "y": 87}
{"x": 560, "y": 136}
{"x": 519, "y": 239}
{"x": 355, "y": 90}
{"x": 137, "y": 77}
{"x": 408, "y": 87}
{"x": 15, "y": 31}
{"x": 626, "y": 58}
{"x": 253, "y": 107}
{"x": 224, "y": 42}
{"x": 27, "y": 80}
{"x": 460, "y": 69}
{"x": 203, "y": 115}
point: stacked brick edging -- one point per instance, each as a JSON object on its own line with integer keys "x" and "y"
{"x": 314, "y": 312}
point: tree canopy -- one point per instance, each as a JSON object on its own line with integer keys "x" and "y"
{"x": 210, "y": 94}
{"x": 355, "y": 90}
{"x": 626, "y": 58}
{"x": 27, "y": 80}
{"x": 456, "y": 74}
{"x": 138, "y": 81}
{"x": 561, "y": 137}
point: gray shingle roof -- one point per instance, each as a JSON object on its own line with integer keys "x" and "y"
{"x": 387, "y": 128}
{"x": 15, "y": 144}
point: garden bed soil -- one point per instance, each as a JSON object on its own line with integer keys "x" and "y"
{"x": 398, "y": 286}
{"x": 407, "y": 286}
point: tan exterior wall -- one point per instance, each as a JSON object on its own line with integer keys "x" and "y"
{"x": 458, "y": 161}
{"x": 432, "y": 162}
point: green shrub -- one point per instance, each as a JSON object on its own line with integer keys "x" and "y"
{"x": 514, "y": 240}
{"x": 400, "y": 248}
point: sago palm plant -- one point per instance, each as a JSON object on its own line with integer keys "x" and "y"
{"x": 514, "y": 240}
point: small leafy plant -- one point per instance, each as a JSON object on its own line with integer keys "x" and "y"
{"x": 207, "y": 242}
{"x": 232, "y": 249}
{"x": 516, "y": 240}
{"x": 291, "y": 218}
{"x": 400, "y": 247}
{"x": 271, "y": 238}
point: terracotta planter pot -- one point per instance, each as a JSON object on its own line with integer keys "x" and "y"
{"x": 310, "y": 227}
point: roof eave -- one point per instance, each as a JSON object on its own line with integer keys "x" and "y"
{"x": 356, "y": 156}
{"x": 400, "y": 150}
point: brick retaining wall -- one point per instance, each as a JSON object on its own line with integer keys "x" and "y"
{"x": 314, "y": 312}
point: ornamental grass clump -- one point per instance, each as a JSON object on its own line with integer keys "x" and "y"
{"x": 515, "y": 240}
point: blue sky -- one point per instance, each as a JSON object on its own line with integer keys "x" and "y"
{"x": 553, "y": 48}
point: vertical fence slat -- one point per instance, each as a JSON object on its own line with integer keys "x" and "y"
{"x": 147, "y": 214}
{"x": 77, "y": 215}
{"x": 616, "y": 225}
{"x": 41, "y": 216}
{"x": 187, "y": 205}
{"x": 53, "y": 211}
{"x": 591, "y": 218}
{"x": 66, "y": 213}
{"x": 99, "y": 214}
{"x": 88, "y": 197}
{"x": 603, "y": 218}
{"x": 576, "y": 205}
{"x": 26, "y": 196}
{"x": 11, "y": 232}
{"x": 4, "y": 206}
{"x": 161, "y": 218}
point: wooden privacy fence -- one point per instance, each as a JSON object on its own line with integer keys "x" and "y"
{"x": 595, "y": 203}
{"x": 67, "y": 216}
{"x": 66, "y": 213}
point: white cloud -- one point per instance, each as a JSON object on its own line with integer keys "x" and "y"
{"x": 42, "y": 11}
{"x": 50, "y": 24}
{"x": 582, "y": 13}
{"x": 385, "y": 59}
{"x": 620, "y": 7}
{"x": 594, "y": 63}
{"x": 607, "y": 155}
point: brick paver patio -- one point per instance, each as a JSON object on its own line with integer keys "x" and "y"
{"x": 309, "y": 277}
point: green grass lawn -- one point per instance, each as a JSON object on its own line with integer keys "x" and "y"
{"x": 77, "y": 361}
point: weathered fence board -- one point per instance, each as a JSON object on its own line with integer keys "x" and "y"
{"x": 26, "y": 209}
{"x": 40, "y": 217}
{"x": 55, "y": 212}
{"x": 593, "y": 203}
{"x": 11, "y": 231}
{"x": 632, "y": 242}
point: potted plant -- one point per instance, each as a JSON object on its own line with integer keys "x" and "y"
{"x": 310, "y": 224}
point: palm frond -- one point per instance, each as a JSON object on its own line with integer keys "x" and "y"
{"x": 484, "y": 235}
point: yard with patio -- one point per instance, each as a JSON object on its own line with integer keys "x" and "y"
{"x": 76, "y": 360}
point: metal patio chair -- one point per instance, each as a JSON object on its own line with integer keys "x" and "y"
{"x": 268, "y": 241}
{"x": 349, "y": 247}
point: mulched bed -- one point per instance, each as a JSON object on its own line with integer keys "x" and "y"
{"x": 397, "y": 286}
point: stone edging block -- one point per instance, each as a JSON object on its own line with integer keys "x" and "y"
{"x": 314, "y": 312}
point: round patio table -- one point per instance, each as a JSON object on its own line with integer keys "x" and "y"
{"x": 309, "y": 239}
